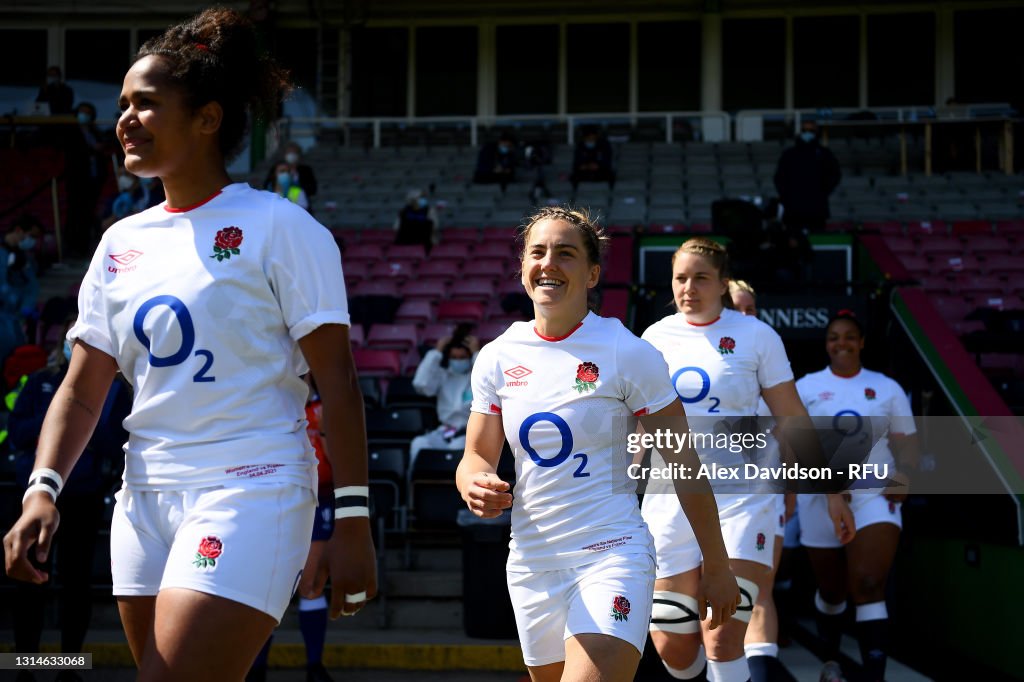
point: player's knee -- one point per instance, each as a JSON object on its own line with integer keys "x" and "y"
{"x": 749, "y": 592}
{"x": 868, "y": 587}
{"x": 675, "y": 628}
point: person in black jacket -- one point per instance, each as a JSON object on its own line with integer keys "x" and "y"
{"x": 56, "y": 93}
{"x": 496, "y": 162}
{"x": 805, "y": 177}
{"x": 592, "y": 160}
{"x": 80, "y": 503}
{"x": 302, "y": 174}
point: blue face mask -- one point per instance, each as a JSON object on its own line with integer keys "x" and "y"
{"x": 27, "y": 243}
{"x": 807, "y": 136}
{"x": 422, "y": 202}
{"x": 67, "y": 350}
{"x": 84, "y": 118}
{"x": 503, "y": 149}
{"x": 285, "y": 180}
{"x": 460, "y": 366}
{"x": 589, "y": 144}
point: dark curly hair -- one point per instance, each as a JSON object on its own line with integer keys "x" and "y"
{"x": 215, "y": 57}
{"x": 595, "y": 239}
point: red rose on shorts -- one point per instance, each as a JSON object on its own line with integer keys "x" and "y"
{"x": 586, "y": 374}
{"x": 210, "y": 548}
{"x": 869, "y": 393}
{"x": 726, "y": 345}
{"x": 620, "y": 608}
{"x": 227, "y": 242}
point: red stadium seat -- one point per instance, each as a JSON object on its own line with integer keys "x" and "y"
{"x": 393, "y": 269}
{"x": 370, "y": 252}
{"x": 1006, "y": 264}
{"x": 382, "y": 363}
{"x": 917, "y": 228}
{"x": 485, "y": 267}
{"x": 952, "y": 308}
{"x": 619, "y": 261}
{"x": 400, "y": 336}
{"x": 468, "y": 236}
{"x": 972, "y": 227}
{"x": 473, "y": 289}
{"x": 382, "y": 237}
{"x": 404, "y": 252}
{"x": 940, "y": 247}
{"x": 490, "y": 330}
{"x": 951, "y": 263}
{"x": 355, "y": 271}
{"x": 430, "y": 289}
{"x": 915, "y": 264}
{"x": 454, "y": 250}
{"x": 615, "y": 303}
{"x": 435, "y": 331}
{"x": 988, "y": 243}
{"x": 356, "y": 336}
{"x": 460, "y": 311}
{"x": 376, "y": 287}
{"x": 889, "y": 228}
{"x": 419, "y": 311}
{"x": 495, "y": 249}
{"x": 445, "y": 269}
{"x": 901, "y": 245}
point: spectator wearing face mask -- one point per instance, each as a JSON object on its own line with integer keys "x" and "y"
{"x": 302, "y": 175}
{"x": 445, "y": 372}
{"x": 805, "y": 177}
{"x": 497, "y": 162}
{"x": 18, "y": 280}
{"x": 417, "y": 222}
{"x": 87, "y": 158}
{"x": 134, "y": 194}
{"x": 592, "y": 160}
{"x": 55, "y": 93}
{"x": 285, "y": 186}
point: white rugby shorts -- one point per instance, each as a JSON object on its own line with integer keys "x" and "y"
{"x": 247, "y": 543}
{"x": 868, "y": 507}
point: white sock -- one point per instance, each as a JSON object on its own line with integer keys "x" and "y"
{"x": 728, "y": 671}
{"x": 690, "y": 672}
{"x": 873, "y": 611}
{"x": 826, "y": 608}
{"x": 761, "y": 649}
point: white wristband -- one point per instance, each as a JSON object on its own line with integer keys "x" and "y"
{"x": 352, "y": 501}
{"x": 44, "y": 479}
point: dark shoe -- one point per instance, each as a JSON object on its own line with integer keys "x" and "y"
{"x": 317, "y": 673}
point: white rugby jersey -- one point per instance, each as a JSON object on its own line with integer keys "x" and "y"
{"x": 848, "y": 401}
{"x": 202, "y": 308}
{"x": 567, "y": 406}
{"x": 719, "y": 369}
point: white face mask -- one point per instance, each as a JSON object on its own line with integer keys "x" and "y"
{"x": 460, "y": 366}
{"x": 292, "y": 158}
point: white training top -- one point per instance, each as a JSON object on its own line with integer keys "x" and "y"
{"x": 201, "y": 308}
{"x": 567, "y": 406}
{"x": 719, "y": 370}
{"x": 849, "y": 400}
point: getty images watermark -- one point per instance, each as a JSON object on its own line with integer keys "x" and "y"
{"x": 957, "y": 455}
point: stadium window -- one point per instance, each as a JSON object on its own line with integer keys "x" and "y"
{"x": 826, "y": 61}
{"x": 292, "y": 48}
{"x": 988, "y": 62}
{"x": 901, "y": 59}
{"x": 23, "y": 57}
{"x": 527, "y": 69}
{"x": 100, "y": 55}
{"x": 380, "y": 71}
{"x": 446, "y": 59}
{"x": 753, "y": 64}
{"x": 668, "y": 71}
{"x": 597, "y": 61}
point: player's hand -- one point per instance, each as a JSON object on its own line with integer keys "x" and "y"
{"x": 315, "y": 572}
{"x": 487, "y": 495}
{"x": 353, "y": 564}
{"x": 790, "y": 503}
{"x": 901, "y": 488}
{"x": 842, "y": 518}
{"x": 32, "y": 532}
{"x": 719, "y": 592}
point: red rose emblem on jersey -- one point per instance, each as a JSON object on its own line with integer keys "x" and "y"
{"x": 227, "y": 242}
{"x": 210, "y": 548}
{"x": 620, "y": 608}
{"x": 586, "y": 377}
{"x": 760, "y": 542}
{"x": 726, "y": 345}
{"x": 869, "y": 393}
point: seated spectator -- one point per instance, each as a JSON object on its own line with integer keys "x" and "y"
{"x": 417, "y": 222}
{"x": 592, "y": 161}
{"x": 55, "y": 93}
{"x": 497, "y": 162}
{"x": 285, "y": 185}
{"x": 302, "y": 174}
{"x": 134, "y": 194}
{"x": 18, "y": 283}
{"x": 445, "y": 372}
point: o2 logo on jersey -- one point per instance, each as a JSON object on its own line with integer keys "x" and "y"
{"x": 563, "y": 453}
{"x": 188, "y": 337}
{"x": 705, "y": 388}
